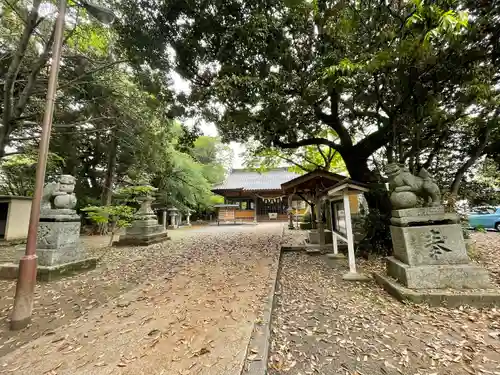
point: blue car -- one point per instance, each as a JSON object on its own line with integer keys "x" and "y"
{"x": 485, "y": 217}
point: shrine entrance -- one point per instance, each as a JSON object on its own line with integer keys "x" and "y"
{"x": 310, "y": 187}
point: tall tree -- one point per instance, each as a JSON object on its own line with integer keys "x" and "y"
{"x": 392, "y": 75}
{"x": 27, "y": 36}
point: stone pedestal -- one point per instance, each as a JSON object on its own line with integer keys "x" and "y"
{"x": 429, "y": 251}
{"x": 58, "y": 238}
{"x": 59, "y": 250}
{"x": 145, "y": 229}
{"x": 430, "y": 254}
{"x": 313, "y": 237}
{"x": 58, "y": 246}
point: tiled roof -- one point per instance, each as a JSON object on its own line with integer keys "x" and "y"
{"x": 251, "y": 180}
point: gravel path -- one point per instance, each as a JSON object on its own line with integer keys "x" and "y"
{"x": 324, "y": 325}
{"x": 192, "y": 314}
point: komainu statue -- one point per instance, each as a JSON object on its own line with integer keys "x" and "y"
{"x": 405, "y": 187}
{"x": 58, "y": 195}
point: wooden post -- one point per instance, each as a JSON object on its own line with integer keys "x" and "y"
{"x": 335, "y": 254}
{"x": 334, "y": 236}
{"x": 313, "y": 215}
{"x": 290, "y": 212}
{"x": 350, "y": 239}
{"x": 352, "y": 275}
{"x": 255, "y": 210}
{"x": 321, "y": 226}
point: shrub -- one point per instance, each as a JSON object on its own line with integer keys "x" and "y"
{"x": 466, "y": 233}
{"x": 481, "y": 229}
{"x": 112, "y": 217}
{"x": 306, "y": 218}
{"x": 378, "y": 235}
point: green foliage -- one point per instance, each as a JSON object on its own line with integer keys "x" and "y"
{"x": 305, "y": 226}
{"x": 465, "y": 233}
{"x": 480, "y": 229}
{"x": 378, "y": 236}
{"x": 359, "y": 78}
{"x": 121, "y": 215}
{"x": 301, "y": 160}
{"x": 382, "y": 77}
{"x": 91, "y": 38}
{"x": 306, "y": 218}
{"x": 483, "y": 186}
{"x": 215, "y": 157}
{"x": 313, "y": 84}
{"x": 185, "y": 184}
{"x": 18, "y": 172}
{"x": 112, "y": 217}
{"x": 131, "y": 193}
{"x": 213, "y": 200}
{"x": 114, "y": 122}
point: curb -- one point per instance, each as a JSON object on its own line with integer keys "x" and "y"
{"x": 257, "y": 351}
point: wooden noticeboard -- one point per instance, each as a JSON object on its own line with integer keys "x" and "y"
{"x": 226, "y": 214}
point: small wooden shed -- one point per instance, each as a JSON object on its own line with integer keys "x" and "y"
{"x": 14, "y": 217}
{"x": 311, "y": 187}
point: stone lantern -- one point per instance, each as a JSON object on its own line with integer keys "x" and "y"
{"x": 173, "y": 212}
{"x": 145, "y": 229}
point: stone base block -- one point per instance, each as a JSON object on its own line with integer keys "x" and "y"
{"x": 448, "y": 298}
{"x": 316, "y": 248}
{"x": 445, "y": 218}
{"x": 455, "y": 276}
{"x": 53, "y": 257}
{"x": 144, "y": 228}
{"x": 431, "y": 244}
{"x": 336, "y": 256}
{"x": 293, "y": 248}
{"x": 356, "y": 276}
{"x": 49, "y": 273}
{"x": 58, "y": 234}
{"x": 420, "y": 211}
{"x": 143, "y": 240}
{"x": 313, "y": 250}
{"x": 313, "y": 236}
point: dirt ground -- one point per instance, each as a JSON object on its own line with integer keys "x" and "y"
{"x": 185, "y": 307}
{"x": 61, "y": 301}
{"x": 324, "y": 325}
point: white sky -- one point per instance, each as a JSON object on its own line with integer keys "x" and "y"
{"x": 181, "y": 85}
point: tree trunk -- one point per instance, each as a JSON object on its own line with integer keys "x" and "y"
{"x": 107, "y": 189}
{"x": 378, "y": 197}
{"x": 474, "y": 155}
{"x": 378, "y": 237}
{"x": 8, "y": 120}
